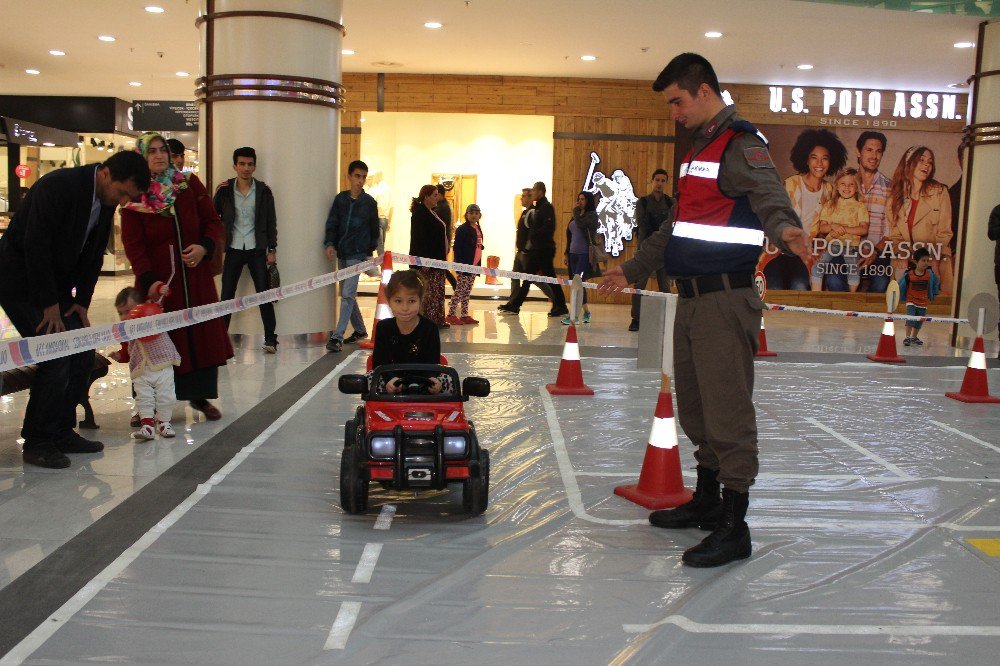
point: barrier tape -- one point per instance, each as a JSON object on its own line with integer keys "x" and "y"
{"x": 423, "y": 262}
{"x": 865, "y": 315}
{"x": 566, "y": 282}
{"x": 25, "y": 351}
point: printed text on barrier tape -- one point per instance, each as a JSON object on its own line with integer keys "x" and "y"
{"x": 25, "y": 351}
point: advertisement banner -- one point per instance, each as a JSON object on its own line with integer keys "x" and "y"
{"x": 872, "y": 201}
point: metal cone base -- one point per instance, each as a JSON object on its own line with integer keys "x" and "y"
{"x": 974, "y": 385}
{"x": 569, "y": 381}
{"x": 886, "y": 351}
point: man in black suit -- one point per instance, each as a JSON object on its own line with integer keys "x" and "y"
{"x": 55, "y": 244}
{"x": 540, "y": 252}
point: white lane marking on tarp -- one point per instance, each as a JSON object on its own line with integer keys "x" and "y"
{"x": 817, "y": 629}
{"x": 369, "y": 558}
{"x": 343, "y": 625}
{"x": 51, "y": 625}
{"x": 566, "y": 468}
{"x": 384, "y": 520}
{"x": 966, "y": 436}
{"x": 860, "y": 449}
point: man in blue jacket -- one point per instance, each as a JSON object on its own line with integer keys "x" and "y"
{"x": 351, "y": 235}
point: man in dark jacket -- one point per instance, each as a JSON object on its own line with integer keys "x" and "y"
{"x": 246, "y": 207}
{"x": 650, "y": 212}
{"x": 352, "y": 232}
{"x": 540, "y": 250}
{"x": 55, "y": 244}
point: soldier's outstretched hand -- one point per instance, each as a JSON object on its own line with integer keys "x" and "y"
{"x": 797, "y": 241}
{"x": 614, "y": 281}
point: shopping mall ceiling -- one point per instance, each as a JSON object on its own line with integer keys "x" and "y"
{"x": 763, "y": 41}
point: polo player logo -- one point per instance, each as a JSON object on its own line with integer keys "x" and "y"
{"x": 615, "y": 205}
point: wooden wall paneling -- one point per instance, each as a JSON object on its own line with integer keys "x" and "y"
{"x": 350, "y": 144}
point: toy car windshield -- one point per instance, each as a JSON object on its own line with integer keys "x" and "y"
{"x": 415, "y": 382}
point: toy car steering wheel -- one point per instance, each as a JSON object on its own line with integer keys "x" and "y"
{"x": 415, "y": 384}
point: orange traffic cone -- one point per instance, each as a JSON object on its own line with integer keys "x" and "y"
{"x": 974, "y": 386}
{"x": 569, "y": 381}
{"x": 382, "y": 310}
{"x": 762, "y": 349}
{"x": 886, "y": 351}
{"x": 660, "y": 484}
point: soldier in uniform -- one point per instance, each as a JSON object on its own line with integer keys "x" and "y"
{"x": 729, "y": 197}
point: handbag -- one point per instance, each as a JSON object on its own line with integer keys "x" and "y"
{"x": 597, "y": 254}
{"x": 273, "y": 276}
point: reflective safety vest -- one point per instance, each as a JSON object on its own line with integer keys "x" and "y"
{"x": 712, "y": 233}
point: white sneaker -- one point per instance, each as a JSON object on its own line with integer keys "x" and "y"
{"x": 165, "y": 429}
{"x": 146, "y": 433}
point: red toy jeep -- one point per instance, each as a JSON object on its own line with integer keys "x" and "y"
{"x": 412, "y": 439}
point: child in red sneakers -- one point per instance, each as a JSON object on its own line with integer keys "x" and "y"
{"x": 151, "y": 362}
{"x": 918, "y": 287}
{"x": 468, "y": 250}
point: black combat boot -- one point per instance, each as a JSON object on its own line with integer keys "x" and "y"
{"x": 731, "y": 539}
{"x": 703, "y": 509}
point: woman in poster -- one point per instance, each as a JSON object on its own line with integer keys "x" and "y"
{"x": 919, "y": 213}
{"x": 816, "y": 155}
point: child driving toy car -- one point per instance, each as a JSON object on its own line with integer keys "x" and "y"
{"x": 407, "y": 337}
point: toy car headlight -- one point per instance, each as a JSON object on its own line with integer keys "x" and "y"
{"x": 383, "y": 447}
{"x": 454, "y": 446}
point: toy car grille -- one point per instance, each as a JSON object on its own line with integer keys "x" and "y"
{"x": 419, "y": 446}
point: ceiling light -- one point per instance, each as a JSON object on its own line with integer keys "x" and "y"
{"x": 57, "y": 52}
{"x": 960, "y": 84}
{"x": 182, "y": 74}
{"x": 134, "y": 84}
{"x": 588, "y": 58}
{"x": 713, "y": 34}
{"x": 347, "y": 52}
{"x": 32, "y": 71}
{"x": 964, "y": 45}
{"x": 106, "y": 38}
{"x": 48, "y": 144}
{"x": 805, "y": 66}
{"x": 433, "y": 25}
{"x": 153, "y": 9}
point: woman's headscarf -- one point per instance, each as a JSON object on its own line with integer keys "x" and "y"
{"x": 163, "y": 189}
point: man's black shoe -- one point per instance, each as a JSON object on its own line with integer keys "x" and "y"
{"x": 354, "y": 337}
{"x": 703, "y": 511}
{"x": 45, "y": 455}
{"x": 74, "y": 443}
{"x": 558, "y": 313}
{"x": 506, "y": 309}
{"x": 334, "y": 345}
{"x": 634, "y": 326}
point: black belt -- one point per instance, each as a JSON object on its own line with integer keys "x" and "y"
{"x": 706, "y": 284}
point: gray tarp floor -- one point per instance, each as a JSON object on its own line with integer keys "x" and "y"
{"x": 872, "y": 522}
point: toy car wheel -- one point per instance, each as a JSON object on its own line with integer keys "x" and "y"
{"x": 476, "y": 490}
{"x": 349, "y": 431}
{"x": 353, "y": 485}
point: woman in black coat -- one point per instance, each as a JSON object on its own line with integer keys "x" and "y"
{"x": 429, "y": 239}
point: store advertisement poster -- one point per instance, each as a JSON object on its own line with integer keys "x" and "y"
{"x": 867, "y": 209}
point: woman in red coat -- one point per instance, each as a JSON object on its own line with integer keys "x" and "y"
{"x": 176, "y": 217}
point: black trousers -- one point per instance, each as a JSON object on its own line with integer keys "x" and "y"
{"x": 539, "y": 262}
{"x": 51, "y": 412}
{"x": 232, "y": 269}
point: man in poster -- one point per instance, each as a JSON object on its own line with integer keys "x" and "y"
{"x": 874, "y": 191}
